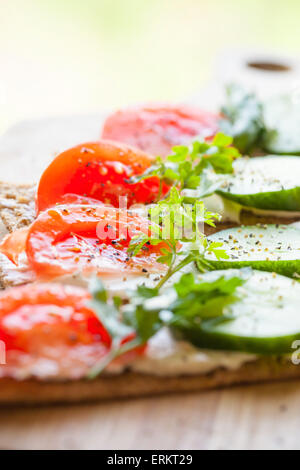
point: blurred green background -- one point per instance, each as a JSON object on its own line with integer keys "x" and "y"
{"x": 77, "y": 56}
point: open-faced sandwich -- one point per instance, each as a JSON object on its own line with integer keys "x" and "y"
{"x": 127, "y": 274}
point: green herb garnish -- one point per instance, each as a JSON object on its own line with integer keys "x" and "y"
{"x": 188, "y": 303}
{"x": 195, "y": 167}
{"x": 178, "y": 225}
{"x": 108, "y": 312}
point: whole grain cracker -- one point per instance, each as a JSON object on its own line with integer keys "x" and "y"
{"x": 16, "y": 205}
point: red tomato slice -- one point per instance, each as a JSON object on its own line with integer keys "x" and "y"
{"x": 50, "y": 332}
{"x": 86, "y": 239}
{"x": 14, "y": 244}
{"x": 71, "y": 198}
{"x": 36, "y": 316}
{"x": 100, "y": 171}
{"x": 157, "y": 128}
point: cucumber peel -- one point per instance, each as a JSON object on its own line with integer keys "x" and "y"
{"x": 268, "y": 183}
{"x": 265, "y": 319}
{"x": 274, "y": 248}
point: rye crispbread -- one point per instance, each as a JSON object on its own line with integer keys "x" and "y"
{"x": 16, "y": 205}
{"x": 133, "y": 385}
{"x": 17, "y": 211}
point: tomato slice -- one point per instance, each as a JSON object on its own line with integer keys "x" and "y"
{"x": 98, "y": 170}
{"x": 71, "y": 198}
{"x": 37, "y": 316}
{"x": 157, "y": 128}
{"x": 14, "y": 243}
{"x": 88, "y": 239}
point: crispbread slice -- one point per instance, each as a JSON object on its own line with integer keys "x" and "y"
{"x": 17, "y": 211}
{"x": 16, "y": 205}
{"x": 129, "y": 384}
{"x": 12, "y": 275}
{"x": 17, "y": 208}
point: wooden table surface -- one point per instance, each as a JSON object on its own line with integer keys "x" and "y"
{"x": 254, "y": 417}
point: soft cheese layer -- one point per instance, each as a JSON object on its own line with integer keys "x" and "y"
{"x": 164, "y": 356}
{"x": 231, "y": 211}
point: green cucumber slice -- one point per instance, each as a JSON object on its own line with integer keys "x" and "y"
{"x": 281, "y": 116}
{"x": 265, "y": 319}
{"x": 274, "y": 248}
{"x": 269, "y": 183}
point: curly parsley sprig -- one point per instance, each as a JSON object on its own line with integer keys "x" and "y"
{"x": 190, "y": 302}
{"x": 178, "y": 225}
{"x": 195, "y": 167}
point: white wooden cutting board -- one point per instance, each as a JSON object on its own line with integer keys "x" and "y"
{"x": 254, "y": 417}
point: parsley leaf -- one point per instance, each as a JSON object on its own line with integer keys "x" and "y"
{"x": 200, "y": 300}
{"x": 189, "y": 303}
{"x": 177, "y": 228}
{"x": 187, "y": 166}
{"x": 109, "y": 315}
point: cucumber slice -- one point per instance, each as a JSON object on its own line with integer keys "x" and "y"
{"x": 265, "y": 319}
{"x": 270, "y": 183}
{"x": 281, "y": 116}
{"x": 274, "y": 248}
